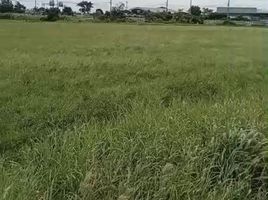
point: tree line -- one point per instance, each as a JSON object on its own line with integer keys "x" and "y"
{"x": 195, "y": 15}
{"x": 118, "y": 13}
{"x": 6, "y": 6}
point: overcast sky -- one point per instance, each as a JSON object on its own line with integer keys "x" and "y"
{"x": 174, "y": 4}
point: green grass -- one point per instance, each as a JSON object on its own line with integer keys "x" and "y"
{"x": 108, "y": 111}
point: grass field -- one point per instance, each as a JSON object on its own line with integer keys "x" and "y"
{"x": 109, "y": 111}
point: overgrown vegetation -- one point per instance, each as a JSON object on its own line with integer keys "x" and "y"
{"x": 110, "y": 111}
{"x": 119, "y": 13}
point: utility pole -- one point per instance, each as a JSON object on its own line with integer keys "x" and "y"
{"x": 126, "y": 5}
{"x": 111, "y": 5}
{"x": 167, "y": 6}
{"x": 191, "y": 4}
{"x": 35, "y": 4}
{"x": 228, "y": 10}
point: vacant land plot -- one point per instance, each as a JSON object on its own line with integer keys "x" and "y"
{"x": 107, "y": 111}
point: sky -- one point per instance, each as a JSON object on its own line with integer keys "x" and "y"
{"x": 173, "y": 4}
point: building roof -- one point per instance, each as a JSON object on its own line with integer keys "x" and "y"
{"x": 237, "y": 10}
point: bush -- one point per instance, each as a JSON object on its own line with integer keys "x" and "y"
{"x": 216, "y": 16}
{"x": 197, "y": 20}
{"x": 241, "y": 18}
{"x": 52, "y": 14}
{"x": 16, "y": 16}
{"x": 182, "y": 17}
{"x": 6, "y": 16}
{"x": 228, "y": 22}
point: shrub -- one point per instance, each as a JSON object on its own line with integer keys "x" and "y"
{"x": 52, "y": 14}
{"x": 6, "y": 16}
{"x": 228, "y": 22}
{"x": 182, "y": 17}
{"x": 217, "y": 16}
{"x": 17, "y": 16}
{"x": 241, "y": 18}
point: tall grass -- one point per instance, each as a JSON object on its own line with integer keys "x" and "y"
{"x": 103, "y": 111}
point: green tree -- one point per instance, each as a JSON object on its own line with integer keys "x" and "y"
{"x": 67, "y": 11}
{"x": 118, "y": 12}
{"x": 121, "y": 6}
{"x": 19, "y": 8}
{"x": 85, "y": 6}
{"x": 40, "y": 10}
{"x": 195, "y": 10}
{"x": 6, "y": 6}
{"x": 206, "y": 12}
{"x": 99, "y": 12}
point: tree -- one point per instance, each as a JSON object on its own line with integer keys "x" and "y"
{"x": 6, "y": 6}
{"x": 67, "y": 11}
{"x": 207, "y": 12}
{"x": 99, "y": 12}
{"x": 41, "y": 10}
{"x": 121, "y": 6}
{"x": 195, "y": 10}
{"x": 19, "y": 8}
{"x": 85, "y": 6}
{"x": 118, "y": 12}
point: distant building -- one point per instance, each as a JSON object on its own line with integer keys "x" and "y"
{"x": 237, "y": 11}
{"x": 141, "y": 10}
{"x": 250, "y": 13}
{"x": 246, "y": 12}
